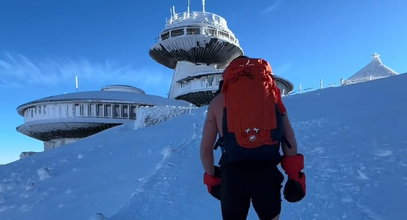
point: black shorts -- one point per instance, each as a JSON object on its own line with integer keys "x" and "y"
{"x": 255, "y": 181}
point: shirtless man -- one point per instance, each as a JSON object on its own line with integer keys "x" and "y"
{"x": 257, "y": 181}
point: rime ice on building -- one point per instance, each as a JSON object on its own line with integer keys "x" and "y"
{"x": 198, "y": 45}
{"x": 62, "y": 119}
{"x": 374, "y": 70}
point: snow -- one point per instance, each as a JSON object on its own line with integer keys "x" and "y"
{"x": 354, "y": 139}
{"x": 148, "y": 116}
{"x": 43, "y": 173}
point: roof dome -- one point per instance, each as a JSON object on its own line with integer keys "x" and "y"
{"x": 122, "y": 88}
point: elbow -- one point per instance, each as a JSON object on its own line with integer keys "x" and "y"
{"x": 205, "y": 154}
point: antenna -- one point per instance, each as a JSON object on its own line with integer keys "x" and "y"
{"x": 188, "y": 7}
{"x": 76, "y": 83}
{"x": 170, "y": 16}
{"x": 203, "y": 6}
{"x": 173, "y": 11}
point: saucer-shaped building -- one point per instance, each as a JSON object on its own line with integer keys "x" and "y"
{"x": 62, "y": 119}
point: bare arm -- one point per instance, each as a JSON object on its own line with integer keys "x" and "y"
{"x": 208, "y": 140}
{"x": 289, "y": 134}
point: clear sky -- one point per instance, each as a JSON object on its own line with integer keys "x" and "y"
{"x": 45, "y": 43}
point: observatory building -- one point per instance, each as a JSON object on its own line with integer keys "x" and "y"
{"x": 198, "y": 45}
{"x": 63, "y": 119}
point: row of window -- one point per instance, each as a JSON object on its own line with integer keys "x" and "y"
{"x": 96, "y": 110}
{"x": 197, "y": 31}
{"x": 213, "y": 81}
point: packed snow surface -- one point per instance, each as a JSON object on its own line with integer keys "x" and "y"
{"x": 354, "y": 139}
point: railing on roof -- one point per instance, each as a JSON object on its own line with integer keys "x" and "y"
{"x": 197, "y": 16}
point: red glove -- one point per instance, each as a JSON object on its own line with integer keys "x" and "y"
{"x": 213, "y": 183}
{"x": 294, "y": 189}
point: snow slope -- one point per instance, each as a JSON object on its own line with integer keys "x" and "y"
{"x": 354, "y": 139}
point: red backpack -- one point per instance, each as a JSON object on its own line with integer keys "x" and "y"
{"x": 251, "y": 114}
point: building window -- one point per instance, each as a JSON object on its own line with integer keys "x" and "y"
{"x": 82, "y": 110}
{"x": 210, "y": 32}
{"x": 116, "y": 111}
{"x": 59, "y": 111}
{"x": 89, "y": 114}
{"x": 99, "y": 110}
{"x": 165, "y": 35}
{"x": 108, "y": 110}
{"x": 125, "y": 111}
{"x": 93, "y": 110}
{"x": 210, "y": 80}
{"x": 53, "y": 109}
{"x": 193, "y": 31}
{"x": 133, "y": 112}
{"x": 177, "y": 32}
{"x": 67, "y": 111}
{"x": 223, "y": 34}
{"x": 76, "y": 110}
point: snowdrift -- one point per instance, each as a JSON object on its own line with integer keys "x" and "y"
{"x": 354, "y": 139}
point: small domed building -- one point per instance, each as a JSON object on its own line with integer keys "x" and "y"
{"x": 63, "y": 119}
{"x": 374, "y": 70}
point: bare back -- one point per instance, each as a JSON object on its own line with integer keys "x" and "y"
{"x": 216, "y": 108}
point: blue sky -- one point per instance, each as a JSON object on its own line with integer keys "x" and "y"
{"x": 45, "y": 43}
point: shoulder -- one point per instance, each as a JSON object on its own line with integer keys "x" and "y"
{"x": 217, "y": 102}
{"x": 216, "y": 105}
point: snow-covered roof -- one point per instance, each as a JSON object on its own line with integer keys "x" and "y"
{"x": 123, "y": 88}
{"x": 375, "y": 69}
{"x": 111, "y": 96}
